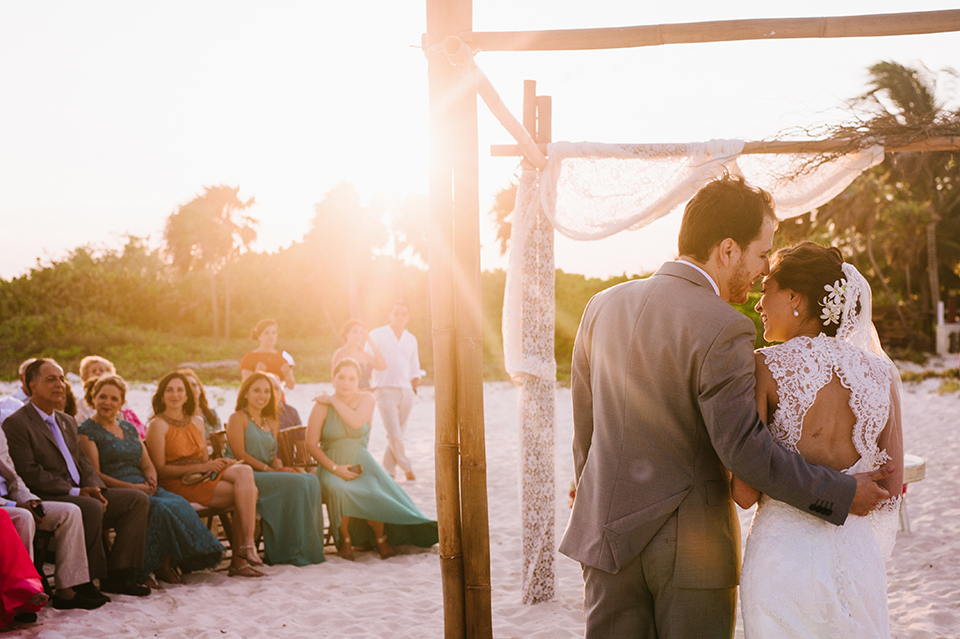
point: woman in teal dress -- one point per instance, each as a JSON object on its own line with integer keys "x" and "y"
{"x": 364, "y": 503}
{"x": 176, "y": 536}
{"x": 289, "y": 501}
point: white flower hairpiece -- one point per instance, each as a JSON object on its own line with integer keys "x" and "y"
{"x": 832, "y": 303}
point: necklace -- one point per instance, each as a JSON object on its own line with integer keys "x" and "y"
{"x": 263, "y": 420}
{"x": 174, "y": 421}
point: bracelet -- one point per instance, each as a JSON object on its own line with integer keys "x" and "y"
{"x": 334, "y": 469}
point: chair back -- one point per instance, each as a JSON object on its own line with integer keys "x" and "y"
{"x": 218, "y": 443}
{"x": 292, "y": 445}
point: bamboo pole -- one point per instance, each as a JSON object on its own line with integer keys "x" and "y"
{"x": 473, "y": 460}
{"x": 442, "y": 80}
{"x": 951, "y": 143}
{"x": 889, "y": 24}
{"x": 459, "y": 53}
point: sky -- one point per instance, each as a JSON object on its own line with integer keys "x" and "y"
{"x": 112, "y": 114}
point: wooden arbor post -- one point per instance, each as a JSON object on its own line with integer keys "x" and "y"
{"x": 456, "y": 308}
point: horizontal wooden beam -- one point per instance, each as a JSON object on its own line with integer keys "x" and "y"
{"x": 888, "y": 24}
{"x": 790, "y": 146}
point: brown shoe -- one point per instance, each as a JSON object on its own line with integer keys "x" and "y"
{"x": 345, "y": 548}
{"x": 386, "y": 550}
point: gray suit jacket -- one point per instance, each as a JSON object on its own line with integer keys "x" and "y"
{"x": 18, "y": 491}
{"x": 663, "y": 400}
{"x": 37, "y": 458}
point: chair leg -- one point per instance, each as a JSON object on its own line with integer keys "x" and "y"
{"x": 41, "y": 545}
{"x": 227, "y": 525}
{"x": 904, "y": 516}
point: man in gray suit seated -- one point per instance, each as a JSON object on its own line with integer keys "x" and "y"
{"x": 45, "y": 449}
{"x": 663, "y": 405}
{"x": 28, "y": 514}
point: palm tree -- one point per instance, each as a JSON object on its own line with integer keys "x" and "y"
{"x": 209, "y": 232}
{"x": 344, "y": 236}
{"x": 907, "y": 97}
{"x": 503, "y": 204}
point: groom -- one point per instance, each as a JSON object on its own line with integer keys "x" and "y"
{"x": 663, "y": 403}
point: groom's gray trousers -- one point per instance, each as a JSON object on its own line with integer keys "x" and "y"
{"x": 642, "y": 602}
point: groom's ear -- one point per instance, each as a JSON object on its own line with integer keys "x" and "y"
{"x": 728, "y": 252}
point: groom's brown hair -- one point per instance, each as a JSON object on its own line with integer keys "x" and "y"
{"x": 726, "y": 207}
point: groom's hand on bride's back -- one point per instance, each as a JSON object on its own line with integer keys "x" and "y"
{"x": 869, "y": 492}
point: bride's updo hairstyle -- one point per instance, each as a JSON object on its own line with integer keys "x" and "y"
{"x": 805, "y": 269}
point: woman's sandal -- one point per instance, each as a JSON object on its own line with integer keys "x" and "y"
{"x": 249, "y": 552}
{"x": 169, "y": 575}
{"x": 243, "y": 570}
{"x": 345, "y": 548}
{"x": 386, "y": 550}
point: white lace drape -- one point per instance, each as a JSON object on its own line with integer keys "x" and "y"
{"x": 536, "y": 373}
{"x": 590, "y": 191}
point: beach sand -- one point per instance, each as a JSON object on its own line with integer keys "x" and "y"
{"x": 401, "y": 597}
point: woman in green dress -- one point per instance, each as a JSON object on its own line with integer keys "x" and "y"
{"x": 364, "y": 503}
{"x": 289, "y": 501}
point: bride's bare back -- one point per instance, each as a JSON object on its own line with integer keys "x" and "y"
{"x": 827, "y": 435}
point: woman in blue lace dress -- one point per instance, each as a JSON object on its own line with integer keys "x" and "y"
{"x": 176, "y": 537}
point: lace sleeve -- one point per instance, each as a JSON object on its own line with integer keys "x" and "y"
{"x": 886, "y": 516}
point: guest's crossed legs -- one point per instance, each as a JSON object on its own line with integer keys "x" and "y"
{"x": 239, "y": 490}
{"x": 641, "y": 602}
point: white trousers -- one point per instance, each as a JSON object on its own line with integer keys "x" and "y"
{"x": 65, "y": 521}
{"x": 395, "y": 405}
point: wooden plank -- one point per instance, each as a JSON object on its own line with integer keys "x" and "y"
{"x": 951, "y": 143}
{"x": 890, "y": 24}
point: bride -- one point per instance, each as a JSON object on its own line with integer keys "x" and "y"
{"x": 833, "y": 396}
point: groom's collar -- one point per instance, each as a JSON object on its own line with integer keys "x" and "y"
{"x": 683, "y": 272}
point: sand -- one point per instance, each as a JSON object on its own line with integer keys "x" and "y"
{"x": 401, "y": 597}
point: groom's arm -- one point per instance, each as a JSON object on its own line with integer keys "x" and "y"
{"x": 743, "y": 443}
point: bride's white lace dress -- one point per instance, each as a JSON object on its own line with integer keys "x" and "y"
{"x": 803, "y": 577}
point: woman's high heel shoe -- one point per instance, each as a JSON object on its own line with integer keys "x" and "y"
{"x": 345, "y": 548}
{"x": 249, "y": 552}
{"x": 386, "y": 550}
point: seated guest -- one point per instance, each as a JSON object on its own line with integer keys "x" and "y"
{"x": 47, "y": 455}
{"x": 266, "y": 358}
{"x": 355, "y": 487}
{"x": 69, "y": 404}
{"x": 287, "y": 415}
{"x": 64, "y": 520}
{"x": 178, "y": 450}
{"x": 176, "y": 537}
{"x": 12, "y": 404}
{"x": 91, "y": 367}
{"x": 21, "y": 591}
{"x": 289, "y": 502}
{"x": 360, "y": 348}
{"x": 211, "y": 421}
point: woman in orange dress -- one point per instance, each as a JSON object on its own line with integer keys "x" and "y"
{"x": 266, "y": 358}
{"x": 178, "y": 449}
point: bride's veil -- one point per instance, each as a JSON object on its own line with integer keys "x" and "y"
{"x": 856, "y": 327}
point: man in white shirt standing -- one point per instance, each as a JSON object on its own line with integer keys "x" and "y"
{"x": 396, "y": 385}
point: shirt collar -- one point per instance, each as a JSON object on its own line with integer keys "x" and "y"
{"x": 43, "y": 415}
{"x": 705, "y": 274}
